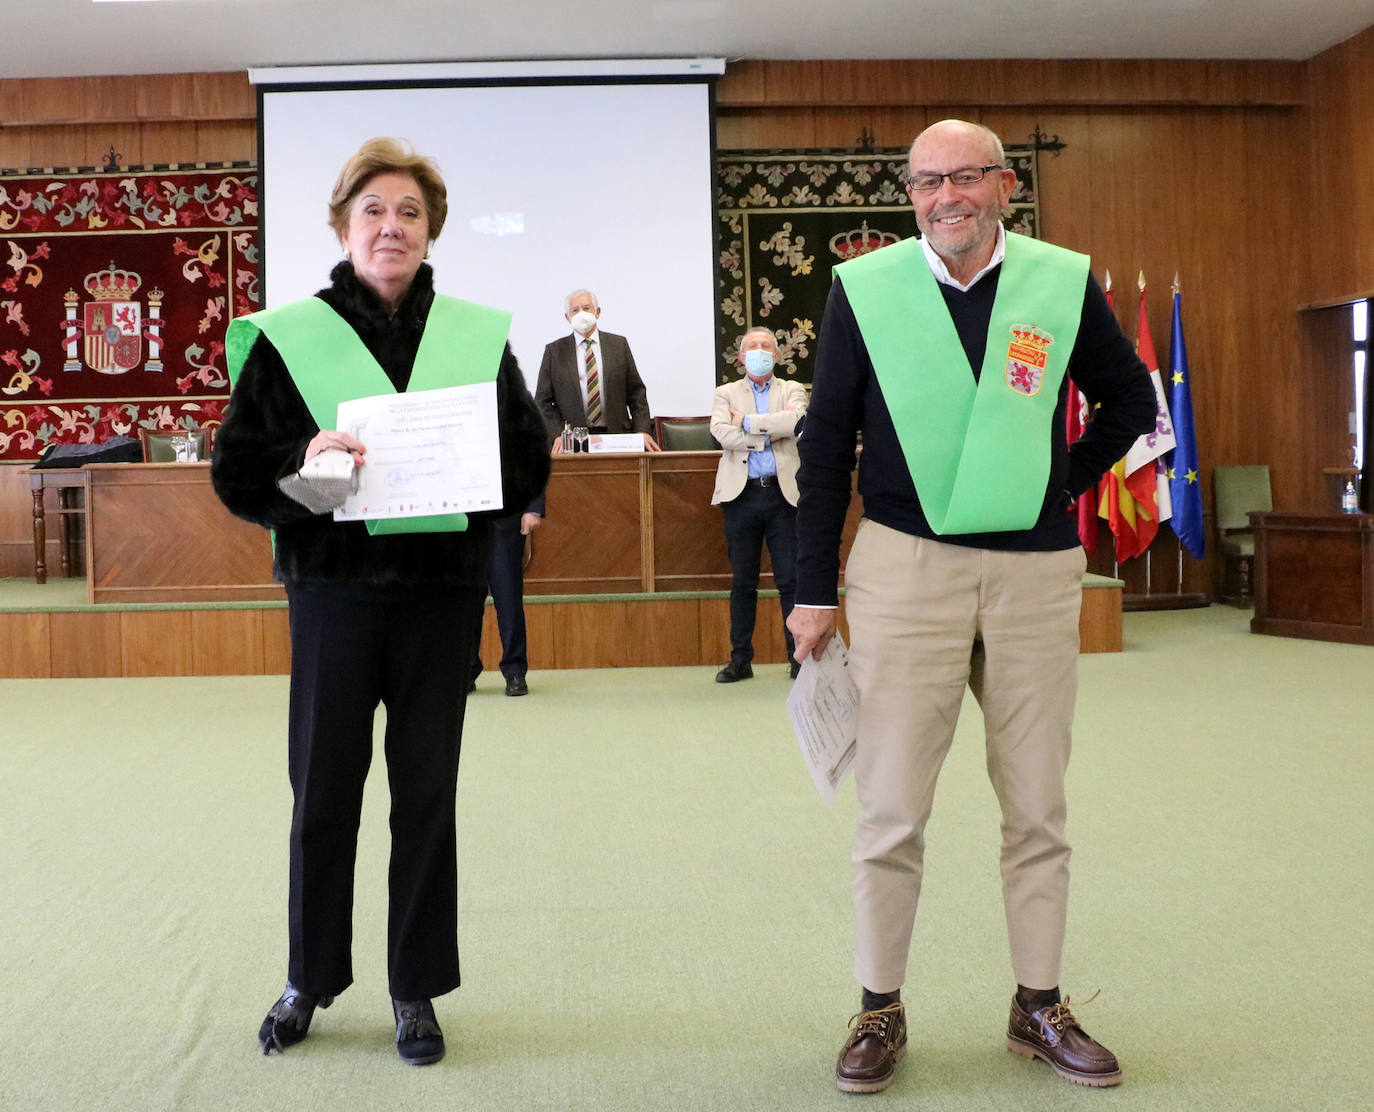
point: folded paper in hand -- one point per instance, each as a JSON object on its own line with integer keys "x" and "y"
{"x": 323, "y": 483}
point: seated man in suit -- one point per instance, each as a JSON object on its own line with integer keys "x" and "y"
{"x": 756, "y": 420}
{"x": 589, "y": 380}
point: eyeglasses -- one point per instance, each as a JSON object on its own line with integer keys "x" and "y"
{"x": 925, "y": 181}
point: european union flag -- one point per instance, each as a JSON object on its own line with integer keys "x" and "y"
{"x": 1185, "y": 489}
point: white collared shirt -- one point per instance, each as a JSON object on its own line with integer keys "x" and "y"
{"x": 942, "y": 274}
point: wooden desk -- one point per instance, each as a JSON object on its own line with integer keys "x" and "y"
{"x": 1314, "y": 576}
{"x": 637, "y": 523}
{"x": 156, "y": 532}
{"x": 67, "y": 481}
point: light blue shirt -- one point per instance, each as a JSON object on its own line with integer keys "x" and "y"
{"x": 761, "y": 463}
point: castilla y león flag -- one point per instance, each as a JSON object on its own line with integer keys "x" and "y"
{"x": 1134, "y": 495}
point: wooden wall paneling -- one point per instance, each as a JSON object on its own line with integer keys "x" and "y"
{"x": 1339, "y": 189}
{"x": 541, "y": 623}
{"x": 276, "y": 642}
{"x": 45, "y": 99}
{"x": 16, "y": 521}
{"x": 661, "y": 633}
{"x": 490, "y": 648}
{"x": 156, "y": 642}
{"x": 226, "y": 643}
{"x": 224, "y": 95}
{"x": 166, "y": 96}
{"x": 589, "y": 632}
{"x": 776, "y": 129}
{"x": 742, "y": 83}
{"x": 86, "y": 643}
{"x": 24, "y": 646}
{"x": 169, "y": 141}
{"x": 55, "y": 145}
{"x": 124, "y": 138}
{"x": 11, "y": 101}
{"x": 15, "y": 145}
{"x": 226, "y": 141}
{"x": 713, "y": 629}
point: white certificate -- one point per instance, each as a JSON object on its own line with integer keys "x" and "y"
{"x": 824, "y": 707}
{"x": 428, "y": 452}
{"x": 615, "y": 442}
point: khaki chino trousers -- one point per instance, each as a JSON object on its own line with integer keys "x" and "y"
{"x": 926, "y": 620}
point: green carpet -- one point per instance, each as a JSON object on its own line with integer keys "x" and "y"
{"x": 655, "y": 907}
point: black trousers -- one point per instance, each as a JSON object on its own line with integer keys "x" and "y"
{"x": 506, "y": 577}
{"x": 354, "y": 645}
{"x": 759, "y": 514}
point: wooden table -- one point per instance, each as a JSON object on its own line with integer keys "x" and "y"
{"x": 637, "y": 523}
{"x": 156, "y": 532}
{"x": 1314, "y": 576}
{"x": 67, "y": 481}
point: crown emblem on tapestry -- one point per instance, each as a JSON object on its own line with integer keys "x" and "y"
{"x": 112, "y": 284}
{"x": 862, "y": 240}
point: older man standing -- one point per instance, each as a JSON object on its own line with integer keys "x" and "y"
{"x": 756, "y": 420}
{"x": 589, "y": 379}
{"x": 951, "y": 355}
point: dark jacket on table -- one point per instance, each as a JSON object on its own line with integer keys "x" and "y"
{"x": 267, "y": 428}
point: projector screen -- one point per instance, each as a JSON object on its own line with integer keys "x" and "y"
{"x": 604, "y": 184}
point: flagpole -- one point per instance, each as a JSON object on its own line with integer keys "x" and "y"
{"x": 1178, "y": 590}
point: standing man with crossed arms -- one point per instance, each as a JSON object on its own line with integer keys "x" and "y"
{"x": 951, "y": 354}
{"x": 756, "y": 420}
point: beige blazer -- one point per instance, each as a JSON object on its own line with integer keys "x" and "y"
{"x": 779, "y": 424}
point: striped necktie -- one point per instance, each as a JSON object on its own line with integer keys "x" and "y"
{"x": 593, "y": 387}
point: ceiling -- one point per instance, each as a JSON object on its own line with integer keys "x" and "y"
{"x": 62, "y": 38}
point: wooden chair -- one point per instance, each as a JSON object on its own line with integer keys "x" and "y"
{"x": 1237, "y": 491}
{"x": 161, "y": 445}
{"x": 684, "y": 434}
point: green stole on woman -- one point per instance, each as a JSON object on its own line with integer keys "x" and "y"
{"x": 462, "y": 345}
{"x": 978, "y": 450}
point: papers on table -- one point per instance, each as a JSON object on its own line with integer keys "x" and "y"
{"x": 428, "y": 452}
{"x": 824, "y": 707}
{"x": 615, "y": 442}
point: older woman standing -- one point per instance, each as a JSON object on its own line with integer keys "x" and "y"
{"x": 376, "y": 615}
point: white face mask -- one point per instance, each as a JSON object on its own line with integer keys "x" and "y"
{"x": 583, "y": 322}
{"x": 758, "y": 362}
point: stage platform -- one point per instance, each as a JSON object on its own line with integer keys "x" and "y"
{"x": 50, "y": 631}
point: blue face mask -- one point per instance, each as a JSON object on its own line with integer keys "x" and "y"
{"x": 758, "y": 362}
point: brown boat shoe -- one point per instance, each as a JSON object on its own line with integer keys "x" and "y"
{"x": 1052, "y": 1034}
{"x": 876, "y": 1043}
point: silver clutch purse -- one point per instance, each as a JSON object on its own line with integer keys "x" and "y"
{"x": 323, "y": 483}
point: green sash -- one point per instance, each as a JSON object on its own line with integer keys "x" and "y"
{"x": 978, "y": 452}
{"x": 462, "y": 345}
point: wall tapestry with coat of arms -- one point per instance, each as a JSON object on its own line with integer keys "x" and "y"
{"x": 115, "y": 292}
{"x": 788, "y": 217}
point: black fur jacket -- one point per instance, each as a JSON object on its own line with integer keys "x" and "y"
{"x": 267, "y": 427}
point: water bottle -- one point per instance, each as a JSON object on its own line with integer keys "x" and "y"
{"x": 567, "y": 437}
{"x": 1350, "y": 498}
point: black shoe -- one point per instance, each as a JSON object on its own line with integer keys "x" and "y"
{"x": 288, "y": 1021}
{"x": 516, "y": 685}
{"x": 735, "y": 671}
{"x": 794, "y": 668}
{"x": 419, "y": 1041}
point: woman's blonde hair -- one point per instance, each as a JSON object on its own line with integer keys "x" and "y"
{"x": 388, "y": 156}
